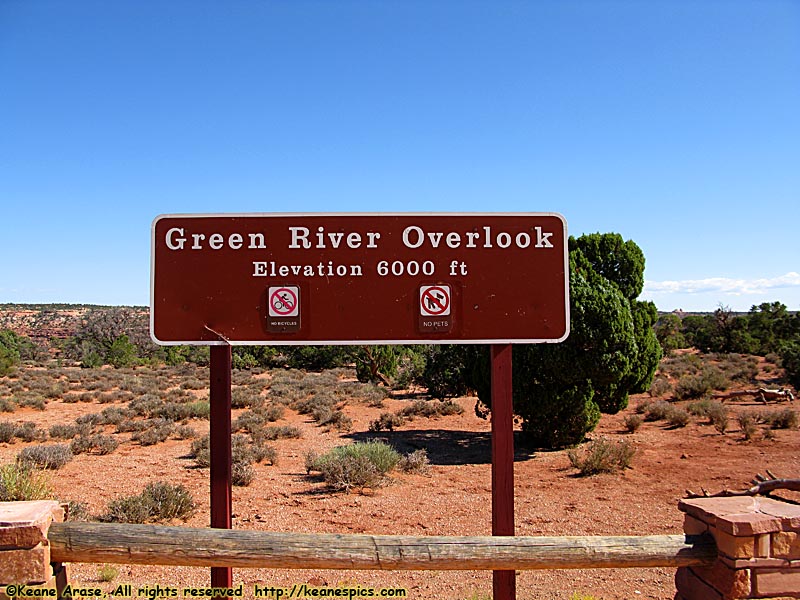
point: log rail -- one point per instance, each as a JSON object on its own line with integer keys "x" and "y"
{"x": 184, "y": 546}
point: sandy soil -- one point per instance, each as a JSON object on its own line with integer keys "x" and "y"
{"x": 453, "y": 499}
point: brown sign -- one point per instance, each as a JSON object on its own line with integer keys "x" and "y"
{"x": 359, "y": 278}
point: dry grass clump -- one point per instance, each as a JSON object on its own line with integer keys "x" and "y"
{"x": 602, "y": 456}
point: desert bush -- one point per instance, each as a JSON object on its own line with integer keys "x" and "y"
{"x": 36, "y": 402}
{"x": 194, "y": 383}
{"x": 677, "y": 417}
{"x": 60, "y": 431}
{"x": 90, "y": 419}
{"x": 261, "y": 452}
{"x": 359, "y": 465}
{"x": 602, "y": 456}
{"x": 132, "y": 425}
{"x": 52, "y": 456}
{"x": 158, "y": 432}
{"x": 660, "y": 387}
{"x": 107, "y": 573}
{"x": 386, "y": 421}
{"x": 20, "y": 483}
{"x": 717, "y": 414}
{"x": 699, "y": 408}
{"x": 784, "y": 418}
{"x": 696, "y": 386}
{"x": 158, "y": 502}
{"x": 245, "y": 398}
{"x": 99, "y": 444}
{"x": 633, "y": 422}
{"x": 657, "y": 411}
{"x": 113, "y": 415}
{"x": 29, "y": 432}
{"x": 242, "y": 474}
{"x": 7, "y": 405}
{"x": 274, "y": 432}
{"x": 145, "y": 406}
{"x": 7, "y": 431}
{"x": 328, "y": 417}
{"x": 78, "y": 511}
{"x": 431, "y": 408}
{"x": 185, "y": 432}
{"x": 748, "y": 425}
{"x": 415, "y": 462}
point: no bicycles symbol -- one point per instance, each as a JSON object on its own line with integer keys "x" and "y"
{"x": 284, "y": 301}
{"x": 434, "y": 300}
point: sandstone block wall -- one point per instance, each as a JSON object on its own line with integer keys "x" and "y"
{"x": 758, "y": 540}
{"x": 24, "y": 549}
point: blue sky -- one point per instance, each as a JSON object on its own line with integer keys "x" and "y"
{"x": 674, "y": 123}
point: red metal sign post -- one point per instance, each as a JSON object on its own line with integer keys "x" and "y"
{"x": 504, "y": 583}
{"x": 220, "y": 450}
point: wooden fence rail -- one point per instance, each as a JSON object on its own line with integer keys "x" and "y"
{"x": 183, "y": 546}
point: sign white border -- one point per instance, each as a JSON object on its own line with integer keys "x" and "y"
{"x": 280, "y": 342}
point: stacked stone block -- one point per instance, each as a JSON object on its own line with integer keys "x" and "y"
{"x": 24, "y": 549}
{"x": 758, "y": 540}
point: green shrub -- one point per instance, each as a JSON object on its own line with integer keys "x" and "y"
{"x": 602, "y": 456}
{"x": 359, "y": 465}
{"x": 7, "y": 405}
{"x": 717, "y": 414}
{"x": 158, "y": 502}
{"x": 19, "y": 482}
{"x": 53, "y": 456}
